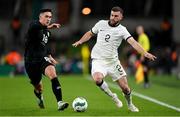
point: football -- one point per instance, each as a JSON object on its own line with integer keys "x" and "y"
{"x": 79, "y": 104}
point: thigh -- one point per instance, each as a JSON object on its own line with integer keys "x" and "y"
{"x": 97, "y": 66}
{"x": 44, "y": 64}
{"x": 116, "y": 71}
{"x": 33, "y": 71}
{"x": 50, "y": 72}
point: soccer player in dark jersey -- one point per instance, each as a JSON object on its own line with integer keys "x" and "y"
{"x": 38, "y": 59}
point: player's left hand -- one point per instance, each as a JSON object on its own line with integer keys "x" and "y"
{"x": 150, "y": 56}
{"x": 53, "y": 61}
{"x": 54, "y": 25}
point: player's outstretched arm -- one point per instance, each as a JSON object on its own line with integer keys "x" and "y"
{"x": 140, "y": 49}
{"x": 54, "y": 25}
{"x": 83, "y": 39}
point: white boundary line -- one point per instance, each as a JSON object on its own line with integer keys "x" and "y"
{"x": 148, "y": 98}
{"x": 145, "y": 97}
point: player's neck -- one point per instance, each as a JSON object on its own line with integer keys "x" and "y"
{"x": 42, "y": 24}
{"x": 113, "y": 25}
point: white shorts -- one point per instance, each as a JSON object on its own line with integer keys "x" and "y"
{"x": 110, "y": 67}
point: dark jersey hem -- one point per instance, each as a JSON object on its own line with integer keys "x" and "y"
{"x": 128, "y": 38}
{"x": 92, "y": 32}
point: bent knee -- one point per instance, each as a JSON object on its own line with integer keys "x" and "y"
{"x": 126, "y": 90}
{"x": 38, "y": 87}
{"x": 50, "y": 72}
{"x": 98, "y": 77}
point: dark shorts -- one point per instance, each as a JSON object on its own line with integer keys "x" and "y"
{"x": 35, "y": 69}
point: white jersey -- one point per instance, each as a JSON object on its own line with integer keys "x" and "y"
{"x": 108, "y": 40}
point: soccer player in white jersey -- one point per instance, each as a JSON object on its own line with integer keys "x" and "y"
{"x": 110, "y": 34}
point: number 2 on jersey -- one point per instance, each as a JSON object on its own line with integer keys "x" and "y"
{"x": 107, "y": 37}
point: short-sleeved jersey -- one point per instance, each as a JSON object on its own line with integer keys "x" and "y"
{"x": 36, "y": 42}
{"x": 108, "y": 40}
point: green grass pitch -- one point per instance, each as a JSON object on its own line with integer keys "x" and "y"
{"x": 17, "y": 98}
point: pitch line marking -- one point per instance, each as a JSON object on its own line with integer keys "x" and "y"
{"x": 145, "y": 97}
{"x": 149, "y": 98}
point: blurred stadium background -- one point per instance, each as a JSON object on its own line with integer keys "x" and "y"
{"x": 161, "y": 20}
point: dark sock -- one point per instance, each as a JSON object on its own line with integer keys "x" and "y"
{"x": 127, "y": 93}
{"x": 38, "y": 94}
{"x": 99, "y": 84}
{"x": 56, "y": 87}
{"x": 128, "y": 97}
{"x": 146, "y": 79}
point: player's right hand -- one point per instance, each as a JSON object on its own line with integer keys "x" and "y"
{"x": 150, "y": 56}
{"x": 76, "y": 43}
{"x": 54, "y": 25}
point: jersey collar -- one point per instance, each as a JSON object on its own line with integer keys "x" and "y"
{"x": 44, "y": 27}
{"x": 113, "y": 25}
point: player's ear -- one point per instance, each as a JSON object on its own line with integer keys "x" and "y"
{"x": 40, "y": 15}
{"x": 121, "y": 17}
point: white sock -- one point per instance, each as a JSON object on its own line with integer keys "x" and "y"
{"x": 59, "y": 102}
{"x": 106, "y": 89}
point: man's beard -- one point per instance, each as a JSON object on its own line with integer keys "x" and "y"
{"x": 48, "y": 23}
{"x": 114, "y": 23}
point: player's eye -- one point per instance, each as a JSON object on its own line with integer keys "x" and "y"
{"x": 48, "y": 16}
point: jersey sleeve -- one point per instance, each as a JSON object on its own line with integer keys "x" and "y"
{"x": 94, "y": 30}
{"x": 126, "y": 35}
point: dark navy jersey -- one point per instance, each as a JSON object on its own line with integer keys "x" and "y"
{"x": 36, "y": 42}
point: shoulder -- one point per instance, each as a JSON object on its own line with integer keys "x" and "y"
{"x": 144, "y": 37}
{"x": 101, "y": 23}
{"x": 122, "y": 27}
{"x": 35, "y": 25}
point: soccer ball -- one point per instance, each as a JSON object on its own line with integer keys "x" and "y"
{"x": 79, "y": 104}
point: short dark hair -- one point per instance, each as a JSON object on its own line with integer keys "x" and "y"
{"x": 45, "y": 10}
{"x": 117, "y": 8}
